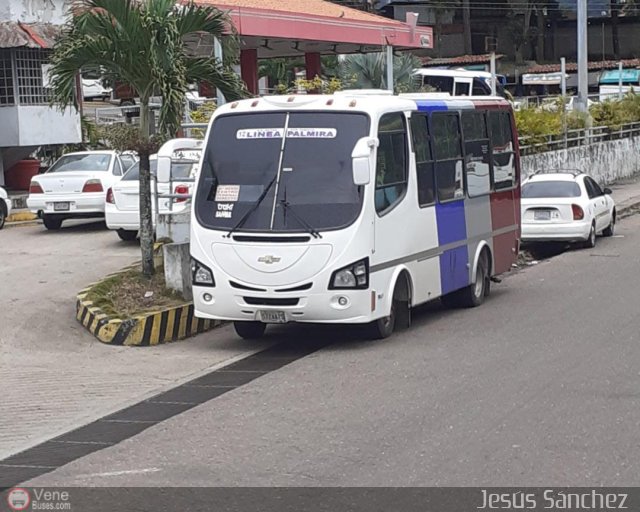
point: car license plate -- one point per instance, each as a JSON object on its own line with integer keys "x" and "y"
{"x": 542, "y": 215}
{"x": 273, "y": 317}
{"x": 60, "y": 207}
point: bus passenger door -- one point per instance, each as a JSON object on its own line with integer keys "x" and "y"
{"x": 393, "y": 215}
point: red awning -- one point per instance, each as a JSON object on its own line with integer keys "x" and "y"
{"x": 282, "y": 28}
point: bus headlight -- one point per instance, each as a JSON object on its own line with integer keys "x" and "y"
{"x": 354, "y": 276}
{"x": 201, "y": 275}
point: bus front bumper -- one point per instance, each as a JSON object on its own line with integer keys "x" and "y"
{"x": 330, "y": 307}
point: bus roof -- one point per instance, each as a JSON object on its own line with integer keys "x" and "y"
{"x": 368, "y": 101}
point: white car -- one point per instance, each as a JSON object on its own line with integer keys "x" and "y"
{"x": 5, "y": 207}
{"x": 566, "y": 206}
{"x": 122, "y": 208}
{"x": 75, "y": 186}
{"x": 93, "y": 89}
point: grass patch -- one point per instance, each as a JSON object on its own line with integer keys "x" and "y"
{"x": 129, "y": 293}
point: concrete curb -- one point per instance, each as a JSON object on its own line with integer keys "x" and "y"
{"x": 154, "y": 328}
{"x": 626, "y": 208}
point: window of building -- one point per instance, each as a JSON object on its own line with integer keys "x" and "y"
{"x": 7, "y": 95}
{"x": 447, "y": 144}
{"x": 391, "y": 165}
{"x": 424, "y": 159}
{"x": 477, "y": 154}
{"x": 502, "y": 148}
{"x": 30, "y": 66}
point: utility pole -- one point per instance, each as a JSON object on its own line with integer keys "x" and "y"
{"x": 583, "y": 58}
{"x": 493, "y": 74}
{"x": 389, "y": 66}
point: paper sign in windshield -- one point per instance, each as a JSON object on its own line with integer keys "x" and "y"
{"x": 292, "y": 133}
{"x": 227, "y": 193}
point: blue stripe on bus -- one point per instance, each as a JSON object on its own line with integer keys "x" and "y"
{"x": 431, "y": 105}
{"x": 450, "y": 219}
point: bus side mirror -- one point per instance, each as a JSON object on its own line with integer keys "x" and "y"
{"x": 163, "y": 175}
{"x": 361, "y": 160}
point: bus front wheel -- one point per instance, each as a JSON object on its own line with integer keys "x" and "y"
{"x": 399, "y": 315}
{"x": 250, "y": 330}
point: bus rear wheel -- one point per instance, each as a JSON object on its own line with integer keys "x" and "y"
{"x": 474, "y": 294}
{"x": 250, "y": 330}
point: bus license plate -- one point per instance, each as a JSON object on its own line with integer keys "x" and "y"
{"x": 542, "y": 215}
{"x": 60, "y": 207}
{"x": 273, "y": 317}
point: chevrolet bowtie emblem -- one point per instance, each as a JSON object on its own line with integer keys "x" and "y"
{"x": 269, "y": 259}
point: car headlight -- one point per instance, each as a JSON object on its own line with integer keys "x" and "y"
{"x": 354, "y": 276}
{"x": 201, "y": 275}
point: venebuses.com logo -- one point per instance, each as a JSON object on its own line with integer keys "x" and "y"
{"x": 18, "y": 499}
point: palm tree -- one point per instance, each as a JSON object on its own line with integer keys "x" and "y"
{"x": 142, "y": 43}
{"x": 368, "y": 71}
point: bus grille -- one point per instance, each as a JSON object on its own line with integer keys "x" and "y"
{"x": 266, "y": 301}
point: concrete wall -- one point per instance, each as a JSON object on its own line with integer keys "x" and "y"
{"x": 606, "y": 161}
{"x": 177, "y": 268}
{"x": 31, "y": 11}
{"x": 38, "y": 125}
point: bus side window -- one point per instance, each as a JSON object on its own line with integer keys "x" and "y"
{"x": 502, "y": 150}
{"x": 478, "y": 156}
{"x": 447, "y": 145}
{"x": 391, "y": 164}
{"x": 424, "y": 159}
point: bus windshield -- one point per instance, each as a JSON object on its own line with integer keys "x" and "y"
{"x": 244, "y": 154}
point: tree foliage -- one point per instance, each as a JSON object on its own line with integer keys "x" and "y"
{"x": 143, "y": 44}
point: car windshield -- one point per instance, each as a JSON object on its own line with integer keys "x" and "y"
{"x": 539, "y": 189}
{"x": 178, "y": 170}
{"x": 243, "y": 157}
{"x": 84, "y": 162}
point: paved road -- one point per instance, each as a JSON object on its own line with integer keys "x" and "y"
{"x": 540, "y": 386}
{"x": 54, "y": 376}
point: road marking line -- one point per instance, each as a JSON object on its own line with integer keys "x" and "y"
{"x": 124, "y": 472}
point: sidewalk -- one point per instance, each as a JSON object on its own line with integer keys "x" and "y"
{"x": 626, "y": 194}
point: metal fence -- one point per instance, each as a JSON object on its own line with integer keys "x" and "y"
{"x": 573, "y": 138}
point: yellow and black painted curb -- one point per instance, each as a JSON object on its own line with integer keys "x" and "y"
{"x": 169, "y": 324}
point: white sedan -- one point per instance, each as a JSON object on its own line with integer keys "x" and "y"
{"x": 566, "y": 206}
{"x": 75, "y": 186}
{"x": 122, "y": 208}
{"x": 5, "y": 207}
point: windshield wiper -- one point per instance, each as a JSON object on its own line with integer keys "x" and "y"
{"x": 253, "y": 208}
{"x": 287, "y": 206}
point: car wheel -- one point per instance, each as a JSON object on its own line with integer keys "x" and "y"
{"x": 591, "y": 241}
{"x": 611, "y": 228}
{"x": 474, "y": 294}
{"x": 127, "y": 235}
{"x": 3, "y": 214}
{"x": 51, "y": 222}
{"x": 250, "y": 330}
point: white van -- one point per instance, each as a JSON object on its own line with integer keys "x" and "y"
{"x": 459, "y": 82}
